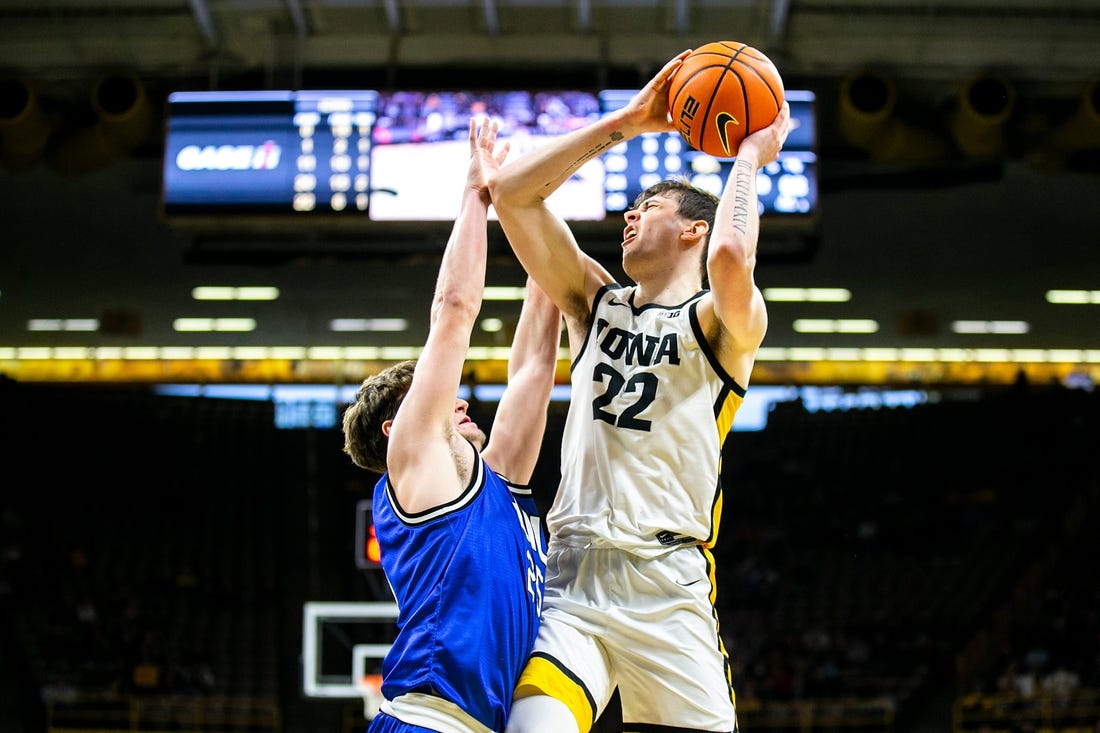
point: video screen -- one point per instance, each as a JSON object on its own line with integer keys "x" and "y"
{"x": 402, "y": 156}
{"x": 787, "y": 187}
{"x": 420, "y": 150}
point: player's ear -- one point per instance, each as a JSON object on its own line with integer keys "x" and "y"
{"x": 696, "y": 230}
{"x": 386, "y": 425}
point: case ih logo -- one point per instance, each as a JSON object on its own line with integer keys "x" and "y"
{"x": 229, "y": 157}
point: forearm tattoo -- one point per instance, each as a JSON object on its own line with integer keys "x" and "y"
{"x": 743, "y": 175}
{"x": 599, "y": 148}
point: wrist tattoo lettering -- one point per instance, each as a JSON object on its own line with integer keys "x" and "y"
{"x": 743, "y": 174}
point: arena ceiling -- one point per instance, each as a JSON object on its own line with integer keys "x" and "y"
{"x": 1041, "y": 57}
{"x": 1047, "y": 46}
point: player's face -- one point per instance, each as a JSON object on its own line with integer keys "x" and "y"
{"x": 466, "y": 427}
{"x": 652, "y": 228}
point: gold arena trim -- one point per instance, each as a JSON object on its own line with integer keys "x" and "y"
{"x": 343, "y": 365}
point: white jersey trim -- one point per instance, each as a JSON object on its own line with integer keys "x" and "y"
{"x": 477, "y": 483}
{"x": 434, "y": 713}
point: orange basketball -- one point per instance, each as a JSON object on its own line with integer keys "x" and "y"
{"x": 722, "y": 92}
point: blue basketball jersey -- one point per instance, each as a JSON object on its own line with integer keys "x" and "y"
{"x": 468, "y": 579}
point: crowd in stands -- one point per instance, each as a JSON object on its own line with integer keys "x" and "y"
{"x": 165, "y": 546}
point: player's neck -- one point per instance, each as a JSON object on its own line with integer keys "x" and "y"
{"x": 666, "y": 291}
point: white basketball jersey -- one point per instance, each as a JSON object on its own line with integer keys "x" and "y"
{"x": 641, "y": 449}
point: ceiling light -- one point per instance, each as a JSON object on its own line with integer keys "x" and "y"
{"x": 368, "y": 324}
{"x": 1073, "y": 297}
{"x": 501, "y": 292}
{"x": 999, "y": 327}
{"x": 835, "y": 325}
{"x": 807, "y": 295}
{"x": 209, "y": 292}
{"x": 214, "y": 324}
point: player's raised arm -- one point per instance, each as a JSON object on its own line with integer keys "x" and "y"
{"x": 542, "y": 240}
{"x": 520, "y": 419}
{"x": 424, "y": 443}
{"x": 731, "y": 258}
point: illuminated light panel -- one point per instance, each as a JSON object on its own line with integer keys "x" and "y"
{"x": 807, "y": 295}
{"x": 70, "y": 352}
{"x": 998, "y": 327}
{"x": 835, "y": 325}
{"x": 193, "y": 324}
{"x": 213, "y": 352}
{"x": 1073, "y": 297}
{"x": 492, "y": 325}
{"x": 501, "y": 353}
{"x": 141, "y": 352}
{"x": 210, "y": 292}
{"x": 288, "y": 352}
{"x": 857, "y": 325}
{"x": 326, "y": 353}
{"x": 368, "y": 324}
{"x": 806, "y": 354}
{"x": 256, "y": 353}
{"x": 504, "y": 292}
{"x": 399, "y": 353}
{"x": 361, "y": 353}
{"x": 63, "y": 324}
{"x": 1066, "y": 355}
{"x": 235, "y": 325}
{"x": 488, "y": 352}
{"x": 771, "y": 353}
{"x": 954, "y": 355}
{"x": 258, "y": 293}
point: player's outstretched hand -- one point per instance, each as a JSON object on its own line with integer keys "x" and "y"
{"x": 649, "y": 107}
{"x": 486, "y": 156}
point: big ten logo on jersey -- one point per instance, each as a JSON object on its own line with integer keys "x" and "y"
{"x": 536, "y": 575}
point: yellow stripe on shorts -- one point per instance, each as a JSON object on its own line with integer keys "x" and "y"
{"x": 542, "y": 676}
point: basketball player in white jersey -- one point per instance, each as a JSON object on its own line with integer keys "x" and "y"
{"x": 658, "y": 370}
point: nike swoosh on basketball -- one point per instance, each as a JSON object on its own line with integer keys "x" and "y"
{"x": 721, "y": 120}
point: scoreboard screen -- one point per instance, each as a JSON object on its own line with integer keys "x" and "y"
{"x": 401, "y": 156}
{"x": 787, "y": 188}
{"x": 276, "y": 152}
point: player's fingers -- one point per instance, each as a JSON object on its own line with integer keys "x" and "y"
{"x": 670, "y": 68}
{"x": 488, "y": 132}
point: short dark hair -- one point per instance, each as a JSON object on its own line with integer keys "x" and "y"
{"x": 695, "y": 203}
{"x": 377, "y": 401}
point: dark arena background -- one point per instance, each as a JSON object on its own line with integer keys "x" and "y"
{"x": 220, "y": 216}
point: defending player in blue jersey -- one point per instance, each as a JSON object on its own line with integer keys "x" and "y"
{"x": 461, "y": 542}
